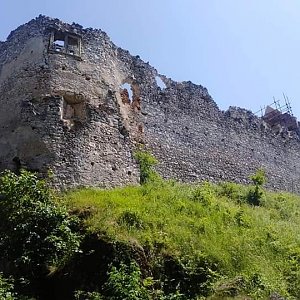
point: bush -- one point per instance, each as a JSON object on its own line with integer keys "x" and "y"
{"x": 81, "y": 295}
{"x": 255, "y": 195}
{"x": 236, "y": 192}
{"x": 204, "y": 194}
{"x": 190, "y": 275}
{"x": 131, "y": 219}
{"x": 125, "y": 283}
{"x": 146, "y": 162}
{"x": 34, "y": 232}
{"x": 6, "y": 289}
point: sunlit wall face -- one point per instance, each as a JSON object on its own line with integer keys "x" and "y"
{"x": 245, "y": 52}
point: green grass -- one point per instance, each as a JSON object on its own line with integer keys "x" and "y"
{"x": 253, "y": 250}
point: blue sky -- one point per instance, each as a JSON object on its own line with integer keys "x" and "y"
{"x": 244, "y": 51}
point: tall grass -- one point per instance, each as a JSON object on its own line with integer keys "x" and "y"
{"x": 254, "y": 250}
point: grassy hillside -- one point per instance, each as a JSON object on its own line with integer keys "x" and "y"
{"x": 202, "y": 240}
{"x": 161, "y": 240}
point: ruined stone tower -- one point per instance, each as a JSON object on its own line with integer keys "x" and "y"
{"x": 73, "y": 102}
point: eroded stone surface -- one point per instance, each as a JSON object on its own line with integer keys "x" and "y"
{"x": 63, "y": 108}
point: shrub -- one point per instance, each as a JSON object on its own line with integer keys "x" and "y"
{"x": 189, "y": 275}
{"x": 259, "y": 178}
{"x": 231, "y": 190}
{"x": 255, "y": 195}
{"x": 6, "y": 289}
{"x": 125, "y": 283}
{"x": 204, "y": 194}
{"x": 34, "y": 232}
{"x": 146, "y": 162}
{"x": 81, "y": 295}
{"x": 131, "y": 219}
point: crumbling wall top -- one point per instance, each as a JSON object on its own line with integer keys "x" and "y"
{"x": 196, "y": 97}
{"x": 242, "y": 114}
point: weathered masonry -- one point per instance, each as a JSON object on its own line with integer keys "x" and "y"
{"x": 73, "y": 102}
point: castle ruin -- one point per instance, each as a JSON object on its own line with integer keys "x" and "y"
{"x": 73, "y": 102}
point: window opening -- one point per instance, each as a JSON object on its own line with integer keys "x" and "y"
{"x": 73, "y": 45}
{"x": 59, "y": 42}
{"x": 66, "y": 43}
{"x": 127, "y": 92}
{"x": 130, "y": 94}
{"x": 72, "y": 41}
{"x": 160, "y": 83}
{"x": 59, "y": 45}
{"x": 73, "y": 109}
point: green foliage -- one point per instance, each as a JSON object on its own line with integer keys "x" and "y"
{"x": 204, "y": 194}
{"x": 200, "y": 238}
{"x": 131, "y": 219}
{"x": 259, "y": 178}
{"x": 35, "y": 232}
{"x": 125, "y": 282}
{"x": 293, "y": 273}
{"x": 255, "y": 195}
{"x": 251, "y": 285}
{"x": 6, "y": 289}
{"x": 233, "y": 191}
{"x": 177, "y": 241}
{"x": 190, "y": 274}
{"x": 81, "y": 295}
{"x": 146, "y": 162}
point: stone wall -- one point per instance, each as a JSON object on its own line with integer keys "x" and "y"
{"x": 64, "y": 108}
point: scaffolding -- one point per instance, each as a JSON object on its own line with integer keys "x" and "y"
{"x": 276, "y": 106}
